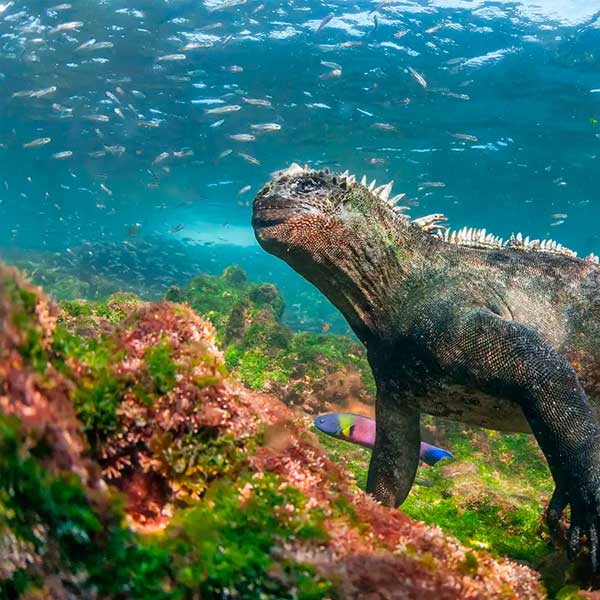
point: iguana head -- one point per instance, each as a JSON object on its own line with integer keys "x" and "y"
{"x": 341, "y": 235}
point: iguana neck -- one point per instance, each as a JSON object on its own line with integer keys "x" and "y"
{"x": 365, "y": 273}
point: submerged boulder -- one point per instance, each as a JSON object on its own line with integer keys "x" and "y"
{"x": 314, "y": 371}
{"x": 226, "y": 491}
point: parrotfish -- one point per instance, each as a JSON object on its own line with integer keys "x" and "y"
{"x": 361, "y": 430}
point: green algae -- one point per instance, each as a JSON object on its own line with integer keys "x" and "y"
{"x": 192, "y": 462}
{"x": 84, "y": 348}
{"x": 23, "y": 307}
{"x": 259, "y": 349}
{"x": 99, "y": 391}
{"x": 492, "y": 496}
{"x": 222, "y": 544}
{"x": 225, "y": 544}
{"x": 161, "y": 367}
{"x": 114, "y": 309}
{"x": 48, "y": 514}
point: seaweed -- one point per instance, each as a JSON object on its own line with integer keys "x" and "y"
{"x": 265, "y": 354}
{"x": 53, "y": 530}
{"x": 227, "y": 541}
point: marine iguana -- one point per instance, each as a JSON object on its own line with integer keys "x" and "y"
{"x": 458, "y": 324}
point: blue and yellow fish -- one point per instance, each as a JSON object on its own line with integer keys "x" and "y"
{"x": 361, "y": 430}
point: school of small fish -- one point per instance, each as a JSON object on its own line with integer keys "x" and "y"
{"x": 117, "y": 100}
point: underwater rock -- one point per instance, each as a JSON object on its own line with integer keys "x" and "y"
{"x": 317, "y": 372}
{"x": 32, "y": 389}
{"x": 246, "y": 500}
{"x": 61, "y": 531}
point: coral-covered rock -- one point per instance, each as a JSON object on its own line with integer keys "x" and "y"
{"x": 313, "y": 371}
{"x": 242, "y": 499}
{"x": 31, "y": 388}
{"x": 61, "y": 532}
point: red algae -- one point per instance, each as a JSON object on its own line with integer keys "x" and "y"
{"x": 36, "y": 393}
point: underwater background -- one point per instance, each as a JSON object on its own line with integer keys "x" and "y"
{"x": 115, "y": 132}
{"x": 166, "y": 449}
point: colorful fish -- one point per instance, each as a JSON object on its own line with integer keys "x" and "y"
{"x": 361, "y": 430}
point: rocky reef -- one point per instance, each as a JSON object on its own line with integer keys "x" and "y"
{"x": 313, "y": 371}
{"x": 133, "y": 466}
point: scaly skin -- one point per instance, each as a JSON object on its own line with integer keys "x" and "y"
{"x": 503, "y": 337}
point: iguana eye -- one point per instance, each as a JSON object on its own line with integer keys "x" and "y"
{"x": 306, "y": 186}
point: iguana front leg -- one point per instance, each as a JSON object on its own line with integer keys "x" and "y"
{"x": 518, "y": 362}
{"x": 395, "y": 455}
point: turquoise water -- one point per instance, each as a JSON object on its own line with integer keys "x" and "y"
{"x": 501, "y": 132}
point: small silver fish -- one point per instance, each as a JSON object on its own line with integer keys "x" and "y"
{"x": 113, "y": 97}
{"x": 266, "y": 126}
{"x": 86, "y": 45}
{"x": 196, "y": 45}
{"x": 249, "y": 159}
{"x": 105, "y": 189}
{"x": 242, "y": 137}
{"x": 115, "y": 150}
{"x": 224, "y": 154}
{"x": 417, "y": 77}
{"x": 228, "y": 4}
{"x": 324, "y": 22}
{"x": 559, "y": 215}
{"x": 223, "y": 110}
{"x": 183, "y": 153}
{"x": 149, "y": 124}
{"x": 245, "y": 189}
{"x": 217, "y": 123}
{"x": 383, "y": 126}
{"x": 331, "y": 75}
{"x": 66, "y": 27}
{"x": 37, "y": 142}
{"x": 257, "y": 102}
{"x": 467, "y": 137}
{"x": 63, "y": 154}
{"x": 162, "y": 156}
{"x": 43, "y": 92}
{"x": 101, "y": 46}
{"x": 171, "y": 57}
{"x": 435, "y": 28}
{"x": 60, "y": 108}
{"x": 96, "y": 118}
{"x": 433, "y": 184}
